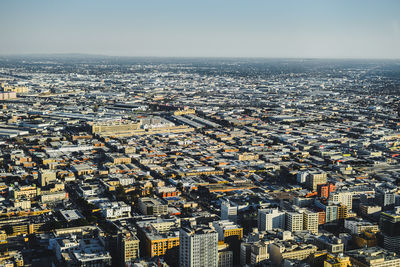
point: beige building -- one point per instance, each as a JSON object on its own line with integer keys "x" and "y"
{"x": 294, "y": 221}
{"x": 52, "y": 197}
{"x": 310, "y": 221}
{"x": 46, "y": 176}
{"x": 129, "y": 248}
{"x": 27, "y": 192}
{"x": 119, "y": 159}
{"x": 259, "y": 252}
{"x": 152, "y": 206}
{"x": 374, "y": 257}
{"x": 23, "y": 204}
{"x": 247, "y": 156}
{"x": 119, "y": 127}
{"x": 315, "y": 178}
{"x": 344, "y": 198}
{"x": 290, "y": 250}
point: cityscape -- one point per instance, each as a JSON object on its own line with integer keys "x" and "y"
{"x": 200, "y": 133}
{"x": 199, "y": 162}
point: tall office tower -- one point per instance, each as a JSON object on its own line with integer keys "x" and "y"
{"x": 198, "y": 247}
{"x": 228, "y": 212}
{"x": 310, "y": 221}
{"x": 344, "y": 198}
{"x": 294, "y": 221}
{"x": 269, "y": 219}
{"x": 314, "y": 178}
{"x": 389, "y": 225}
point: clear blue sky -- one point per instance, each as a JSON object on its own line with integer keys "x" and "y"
{"x": 214, "y": 28}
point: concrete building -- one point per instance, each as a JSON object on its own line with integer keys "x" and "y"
{"x": 385, "y": 198}
{"x": 329, "y": 242}
{"x": 198, "y": 247}
{"x": 152, "y": 206}
{"x": 46, "y": 176}
{"x": 229, "y": 212}
{"x": 294, "y": 221}
{"x": 291, "y": 250}
{"x": 259, "y": 252}
{"x": 115, "y": 210}
{"x": 225, "y": 256}
{"x": 158, "y": 236}
{"x": 389, "y": 225}
{"x": 374, "y": 257}
{"x": 315, "y": 178}
{"x": 337, "y": 261}
{"x": 344, "y": 198}
{"x": 269, "y": 219}
{"x": 226, "y": 229}
{"x": 359, "y": 226}
{"x": 310, "y": 221}
{"x": 128, "y": 248}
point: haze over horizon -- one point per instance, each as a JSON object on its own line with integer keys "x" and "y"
{"x": 272, "y": 29}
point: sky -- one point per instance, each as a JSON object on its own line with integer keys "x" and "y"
{"x": 203, "y": 28}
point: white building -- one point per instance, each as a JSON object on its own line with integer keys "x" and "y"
{"x": 225, "y": 225}
{"x": 359, "y": 226}
{"x": 114, "y": 210}
{"x": 344, "y": 198}
{"x": 294, "y": 221}
{"x": 269, "y": 219}
{"x": 198, "y": 247}
{"x": 228, "y": 212}
{"x": 301, "y": 177}
{"x": 310, "y": 221}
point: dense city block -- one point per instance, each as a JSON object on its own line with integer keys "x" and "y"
{"x": 114, "y": 161}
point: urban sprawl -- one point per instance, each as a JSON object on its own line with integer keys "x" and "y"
{"x": 199, "y": 162}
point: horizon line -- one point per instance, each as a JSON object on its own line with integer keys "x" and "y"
{"x": 191, "y": 57}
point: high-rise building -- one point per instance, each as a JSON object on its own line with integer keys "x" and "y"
{"x": 325, "y": 189}
{"x": 342, "y": 212}
{"x": 225, "y": 256}
{"x": 310, "y": 221}
{"x": 331, "y": 213}
{"x": 385, "y": 198}
{"x": 228, "y": 212}
{"x": 389, "y": 224}
{"x": 294, "y": 221}
{"x": 269, "y": 219}
{"x": 344, "y": 198}
{"x": 315, "y": 178}
{"x": 198, "y": 247}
